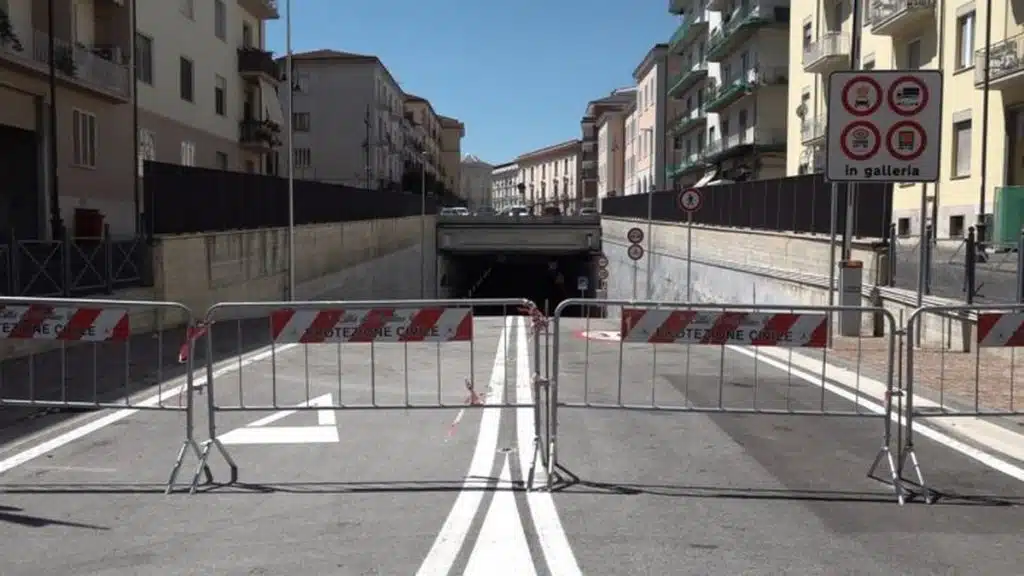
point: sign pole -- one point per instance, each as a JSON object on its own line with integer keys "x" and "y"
{"x": 636, "y": 267}
{"x": 833, "y": 261}
{"x": 689, "y": 256}
{"x": 851, "y": 189}
{"x": 922, "y": 257}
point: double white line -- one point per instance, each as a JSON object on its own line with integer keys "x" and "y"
{"x": 501, "y": 546}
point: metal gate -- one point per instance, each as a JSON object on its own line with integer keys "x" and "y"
{"x": 689, "y": 340}
{"x": 421, "y": 353}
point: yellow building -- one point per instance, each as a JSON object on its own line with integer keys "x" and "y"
{"x": 920, "y": 34}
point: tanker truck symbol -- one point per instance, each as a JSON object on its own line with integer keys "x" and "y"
{"x": 908, "y": 96}
{"x": 862, "y": 97}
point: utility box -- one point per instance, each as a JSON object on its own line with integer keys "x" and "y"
{"x": 851, "y": 279}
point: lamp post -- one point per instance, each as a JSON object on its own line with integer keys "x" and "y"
{"x": 291, "y": 152}
{"x": 423, "y": 225}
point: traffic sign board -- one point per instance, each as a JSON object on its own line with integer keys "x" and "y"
{"x": 602, "y": 261}
{"x": 885, "y": 127}
{"x": 602, "y": 273}
{"x": 635, "y": 235}
{"x": 582, "y": 283}
{"x": 689, "y": 200}
{"x": 635, "y": 252}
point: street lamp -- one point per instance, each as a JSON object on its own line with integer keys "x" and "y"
{"x": 423, "y": 225}
{"x": 291, "y": 152}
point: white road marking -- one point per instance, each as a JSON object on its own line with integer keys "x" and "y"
{"x": 79, "y": 432}
{"x": 553, "y": 540}
{"x": 994, "y": 462}
{"x": 260, "y": 431}
{"x": 453, "y": 534}
{"x": 501, "y": 546}
{"x": 72, "y": 469}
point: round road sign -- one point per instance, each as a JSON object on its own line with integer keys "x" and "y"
{"x": 860, "y": 140}
{"x": 602, "y": 273}
{"x": 908, "y": 95}
{"x": 689, "y": 200}
{"x": 862, "y": 96}
{"x": 602, "y": 261}
{"x": 906, "y": 140}
{"x": 635, "y": 252}
{"x": 635, "y": 235}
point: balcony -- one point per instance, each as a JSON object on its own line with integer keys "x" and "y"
{"x": 1006, "y": 64}
{"x": 721, "y": 96}
{"x": 749, "y": 140}
{"x": 812, "y": 132}
{"x": 589, "y": 145}
{"x": 262, "y": 9}
{"x": 589, "y": 173}
{"x": 895, "y": 17}
{"x": 259, "y": 135}
{"x": 689, "y": 163}
{"x": 743, "y": 24}
{"x": 716, "y": 5}
{"x": 830, "y": 52}
{"x": 257, "y": 64}
{"x": 693, "y": 26}
{"x": 687, "y": 121}
{"x": 678, "y": 6}
{"x": 679, "y": 84}
{"x": 101, "y": 69}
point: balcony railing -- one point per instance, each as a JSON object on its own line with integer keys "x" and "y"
{"x": 813, "y": 130}
{"x": 1006, "y": 62}
{"x": 262, "y": 9}
{"x": 891, "y": 16}
{"x": 687, "y": 78}
{"x": 740, "y": 26}
{"x": 831, "y": 48}
{"x": 751, "y": 136}
{"x": 256, "y": 61}
{"x": 260, "y": 133}
{"x": 690, "y": 27}
{"x": 688, "y": 163}
{"x": 100, "y": 68}
{"x": 678, "y": 6}
{"x": 687, "y": 120}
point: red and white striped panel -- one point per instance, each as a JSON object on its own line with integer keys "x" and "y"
{"x": 70, "y": 324}
{"x": 666, "y": 326}
{"x": 312, "y": 326}
{"x": 1001, "y": 329}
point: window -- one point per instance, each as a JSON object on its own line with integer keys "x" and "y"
{"x": 300, "y": 121}
{"x": 144, "y": 58}
{"x": 222, "y": 161}
{"x": 302, "y": 158}
{"x": 188, "y": 9}
{"x": 302, "y": 82}
{"x": 188, "y": 153}
{"x": 965, "y": 41}
{"x": 913, "y": 54}
{"x": 220, "y": 19}
{"x": 186, "y": 80}
{"x": 956, "y": 226}
{"x": 84, "y": 133}
{"x": 220, "y": 90}
{"x": 903, "y": 227}
{"x": 962, "y": 149}
{"x": 247, "y": 35}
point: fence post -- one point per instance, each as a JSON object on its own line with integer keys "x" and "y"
{"x": 970, "y": 259}
{"x": 108, "y": 260}
{"x": 65, "y": 251}
{"x": 928, "y": 253}
{"x": 15, "y": 260}
{"x": 892, "y": 254}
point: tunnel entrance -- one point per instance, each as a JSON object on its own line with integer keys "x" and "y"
{"x": 547, "y": 280}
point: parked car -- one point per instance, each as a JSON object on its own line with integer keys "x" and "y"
{"x": 516, "y": 211}
{"x": 455, "y": 211}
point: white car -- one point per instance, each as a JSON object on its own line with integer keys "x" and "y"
{"x": 456, "y": 211}
{"x": 515, "y": 211}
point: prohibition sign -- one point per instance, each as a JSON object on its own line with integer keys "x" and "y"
{"x": 919, "y": 143}
{"x": 872, "y": 149}
{"x": 602, "y": 273}
{"x": 859, "y": 82}
{"x": 689, "y": 200}
{"x": 635, "y": 235}
{"x": 922, "y": 98}
{"x": 602, "y": 261}
{"x": 635, "y": 252}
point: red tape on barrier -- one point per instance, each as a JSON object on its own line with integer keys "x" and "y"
{"x": 192, "y": 334}
{"x": 537, "y": 318}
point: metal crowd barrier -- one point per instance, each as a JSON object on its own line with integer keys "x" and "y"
{"x": 79, "y": 354}
{"x": 308, "y": 344}
{"x": 978, "y": 383}
{"x": 686, "y": 339}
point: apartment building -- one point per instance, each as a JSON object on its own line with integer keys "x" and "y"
{"x": 647, "y": 145}
{"x": 505, "y": 186}
{"x": 348, "y": 118}
{"x": 452, "y": 133}
{"x": 475, "y": 178}
{"x": 429, "y": 138}
{"x": 596, "y": 148}
{"x": 551, "y": 176}
{"x": 731, "y": 88}
{"x": 923, "y": 34}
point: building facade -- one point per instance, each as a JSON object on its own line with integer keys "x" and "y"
{"x": 731, "y": 87}
{"x": 551, "y": 176}
{"x": 923, "y": 35}
{"x": 611, "y": 141}
{"x": 475, "y": 184}
{"x": 595, "y": 147}
{"x": 428, "y": 143}
{"x": 651, "y": 145}
{"x": 452, "y": 133}
{"x": 505, "y": 186}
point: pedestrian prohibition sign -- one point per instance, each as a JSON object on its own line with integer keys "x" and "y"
{"x": 689, "y": 200}
{"x": 884, "y": 127}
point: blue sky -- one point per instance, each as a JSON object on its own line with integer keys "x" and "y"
{"x": 518, "y": 73}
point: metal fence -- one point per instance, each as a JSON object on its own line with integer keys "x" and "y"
{"x": 187, "y": 199}
{"x": 799, "y": 204}
{"x": 73, "y": 266}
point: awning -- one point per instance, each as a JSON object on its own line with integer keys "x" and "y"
{"x": 272, "y": 109}
{"x": 707, "y": 177}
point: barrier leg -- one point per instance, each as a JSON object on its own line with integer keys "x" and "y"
{"x": 907, "y": 453}
{"x": 893, "y": 388}
{"x": 190, "y": 436}
{"x": 211, "y": 409}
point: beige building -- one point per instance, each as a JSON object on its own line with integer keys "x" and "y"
{"x": 647, "y": 146}
{"x": 205, "y": 94}
{"x": 731, "y": 90}
{"x": 427, "y": 139}
{"x": 505, "y": 186}
{"x": 475, "y": 183}
{"x": 602, "y": 143}
{"x": 551, "y": 176}
{"x": 452, "y": 133}
{"x": 930, "y": 35}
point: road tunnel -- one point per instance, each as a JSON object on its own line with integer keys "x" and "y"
{"x": 545, "y": 279}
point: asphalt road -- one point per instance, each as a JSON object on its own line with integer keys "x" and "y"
{"x": 405, "y": 492}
